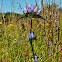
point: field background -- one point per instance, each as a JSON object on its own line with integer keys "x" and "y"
{"x": 14, "y": 41}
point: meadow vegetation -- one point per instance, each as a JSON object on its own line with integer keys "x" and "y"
{"x": 18, "y": 47}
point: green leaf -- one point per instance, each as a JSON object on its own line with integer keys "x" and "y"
{"x": 38, "y": 16}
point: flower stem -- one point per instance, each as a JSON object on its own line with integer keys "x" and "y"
{"x": 31, "y": 23}
{"x": 5, "y": 30}
{"x": 31, "y": 39}
{"x": 32, "y": 47}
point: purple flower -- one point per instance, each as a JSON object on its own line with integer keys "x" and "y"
{"x": 39, "y": 11}
{"x": 36, "y": 9}
{"x": 31, "y": 35}
{"x": 30, "y": 9}
{"x": 35, "y": 58}
{"x": 24, "y": 9}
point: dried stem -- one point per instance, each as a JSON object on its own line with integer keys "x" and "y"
{"x": 48, "y": 31}
{"x": 5, "y": 28}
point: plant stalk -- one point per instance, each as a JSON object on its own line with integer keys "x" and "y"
{"x": 5, "y": 28}
{"x": 31, "y": 39}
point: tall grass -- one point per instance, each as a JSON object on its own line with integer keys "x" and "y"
{"x": 15, "y": 43}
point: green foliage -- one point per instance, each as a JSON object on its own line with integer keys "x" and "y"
{"x": 17, "y": 42}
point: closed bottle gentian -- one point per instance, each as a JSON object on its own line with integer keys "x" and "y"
{"x": 31, "y": 35}
{"x": 35, "y": 58}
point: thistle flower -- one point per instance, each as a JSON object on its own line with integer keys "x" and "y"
{"x": 30, "y": 9}
{"x": 31, "y": 35}
{"x": 35, "y": 58}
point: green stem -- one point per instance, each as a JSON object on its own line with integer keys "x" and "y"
{"x": 31, "y": 39}
{"x": 32, "y": 47}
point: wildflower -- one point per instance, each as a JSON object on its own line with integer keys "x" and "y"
{"x": 46, "y": 24}
{"x": 0, "y": 23}
{"x": 31, "y": 35}
{"x": 39, "y": 11}
{"x": 11, "y": 25}
{"x": 24, "y": 9}
{"x": 39, "y": 19}
{"x": 33, "y": 18}
{"x": 25, "y": 53}
{"x": 30, "y": 9}
{"x": 35, "y": 58}
{"x": 36, "y": 9}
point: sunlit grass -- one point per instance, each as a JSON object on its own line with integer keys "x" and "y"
{"x": 18, "y": 44}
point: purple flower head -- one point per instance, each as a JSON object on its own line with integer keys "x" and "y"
{"x": 31, "y": 35}
{"x": 30, "y": 9}
{"x": 36, "y": 9}
{"x": 35, "y": 58}
{"x": 39, "y": 11}
{"x": 24, "y": 9}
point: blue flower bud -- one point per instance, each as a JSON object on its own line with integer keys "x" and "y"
{"x": 32, "y": 34}
{"x": 28, "y": 7}
{"x": 35, "y": 58}
{"x": 36, "y": 9}
{"x": 24, "y": 9}
{"x": 29, "y": 35}
{"x": 39, "y": 11}
{"x": 32, "y": 7}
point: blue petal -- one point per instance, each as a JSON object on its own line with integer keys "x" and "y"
{"x": 39, "y": 11}
{"x": 29, "y": 35}
{"x": 32, "y": 34}
{"x": 35, "y": 58}
{"x": 28, "y": 7}
{"x": 29, "y": 10}
{"x": 35, "y": 55}
{"x": 24, "y": 9}
{"x": 36, "y": 9}
{"x": 32, "y": 7}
